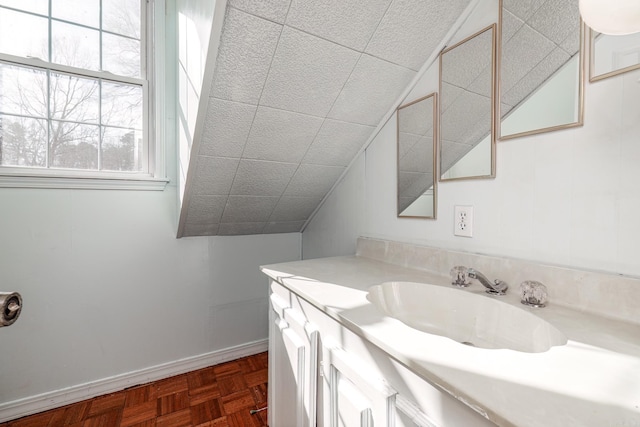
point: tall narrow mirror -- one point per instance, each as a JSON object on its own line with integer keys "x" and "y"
{"x": 417, "y": 136}
{"x": 467, "y": 113}
{"x": 541, "y": 67}
{"x": 613, "y": 55}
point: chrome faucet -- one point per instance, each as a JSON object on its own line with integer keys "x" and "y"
{"x": 497, "y": 287}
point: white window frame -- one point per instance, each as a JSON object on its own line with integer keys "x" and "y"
{"x": 153, "y": 176}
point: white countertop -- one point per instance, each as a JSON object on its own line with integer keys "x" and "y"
{"x": 593, "y": 380}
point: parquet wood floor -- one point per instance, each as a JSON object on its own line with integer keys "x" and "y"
{"x": 218, "y": 396}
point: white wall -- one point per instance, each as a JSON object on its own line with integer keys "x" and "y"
{"x": 567, "y": 198}
{"x": 108, "y": 289}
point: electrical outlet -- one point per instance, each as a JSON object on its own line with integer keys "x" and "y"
{"x": 463, "y": 221}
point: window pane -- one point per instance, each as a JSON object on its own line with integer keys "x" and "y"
{"x": 122, "y": 17}
{"x": 75, "y": 46}
{"x": 23, "y": 91}
{"x": 122, "y": 105}
{"x": 121, "y": 55}
{"x": 121, "y": 149}
{"x": 74, "y": 98}
{"x": 73, "y": 145}
{"x": 86, "y": 12}
{"x": 23, "y": 141}
{"x": 36, "y": 6}
{"x": 23, "y": 35}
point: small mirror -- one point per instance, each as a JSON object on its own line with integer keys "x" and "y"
{"x": 417, "y": 133}
{"x": 541, "y": 71}
{"x": 467, "y": 113}
{"x": 613, "y": 55}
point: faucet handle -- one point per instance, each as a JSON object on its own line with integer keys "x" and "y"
{"x": 533, "y": 293}
{"x": 460, "y": 276}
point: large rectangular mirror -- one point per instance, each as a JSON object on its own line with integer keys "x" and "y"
{"x": 417, "y": 136}
{"x": 613, "y": 55}
{"x": 467, "y": 113}
{"x": 541, "y": 67}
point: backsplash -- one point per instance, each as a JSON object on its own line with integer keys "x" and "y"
{"x": 607, "y": 295}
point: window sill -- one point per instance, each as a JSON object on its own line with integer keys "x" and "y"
{"x": 85, "y": 182}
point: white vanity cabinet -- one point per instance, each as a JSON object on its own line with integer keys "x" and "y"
{"x": 323, "y": 374}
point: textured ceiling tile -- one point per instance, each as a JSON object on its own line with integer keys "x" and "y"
{"x": 557, "y": 19}
{"x": 200, "y": 230}
{"x": 521, "y": 54}
{"x": 307, "y": 73}
{"x": 246, "y": 47}
{"x": 274, "y": 10}
{"x": 461, "y": 118}
{"x": 248, "y": 209}
{"x": 523, "y": 9}
{"x": 284, "y": 227}
{"x": 371, "y": 89}
{"x": 226, "y": 128}
{"x": 241, "y": 228}
{"x": 214, "y": 175}
{"x": 463, "y": 64}
{"x": 337, "y": 143}
{"x": 483, "y": 84}
{"x": 536, "y": 77}
{"x": 571, "y": 44}
{"x": 206, "y": 209}
{"x": 262, "y": 178}
{"x": 510, "y": 25}
{"x": 347, "y": 22}
{"x": 413, "y": 184}
{"x": 417, "y": 118}
{"x": 280, "y": 135}
{"x": 313, "y": 180}
{"x": 294, "y": 208}
{"x": 412, "y": 29}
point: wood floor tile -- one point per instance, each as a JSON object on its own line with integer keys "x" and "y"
{"x": 142, "y": 394}
{"x": 211, "y": 392}
{"x": 259, "y": 394}
{"x": 256, "y": 377}
{"x": 140, "y": 413}
{"x": 244, "y": 419}
{"x": 206, "y": 411}
{"x": 104, "y": 419}
{"x": 176, "y": 419}
{"x": 238, "y": 402}
{"x": 172, "y": 385}
{"x": 173, "y": 402}
{"x": 106, "y": 403}
{"x": 231, "y": 384}
{"x": 201, "y": 379}
{"x": 228, "y": 368}
{"x": 149, "y": 423}
{"x": 70, "y": 414}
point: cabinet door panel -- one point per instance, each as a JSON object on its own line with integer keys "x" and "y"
{"x": 294, "y": 368}
{"x": 356, "y": 394}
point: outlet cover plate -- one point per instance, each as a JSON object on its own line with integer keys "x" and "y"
{"x": 463, "y": 221}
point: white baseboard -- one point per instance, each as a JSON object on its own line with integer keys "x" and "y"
{"x": 54, "y": 399}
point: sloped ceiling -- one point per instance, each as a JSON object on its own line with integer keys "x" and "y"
{"x": 299, "y": 86}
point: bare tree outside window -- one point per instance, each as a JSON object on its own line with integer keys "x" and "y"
{"x": 54, "y": 118}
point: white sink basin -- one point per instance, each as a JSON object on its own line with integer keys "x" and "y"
{"x": 473, "y": 319}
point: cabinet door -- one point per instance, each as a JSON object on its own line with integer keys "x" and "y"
{"x": 356, "y": 395}
{"x": 292, "y": 367}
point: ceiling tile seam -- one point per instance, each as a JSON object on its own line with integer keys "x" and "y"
{"x": 272, "y": 108}
{"x": 378, "y": 26}
{"x": 299, "y": 164}
{"x": 258, "y": 16}
{"x": 462, "y": 19}
{"x": 219, "y": 16}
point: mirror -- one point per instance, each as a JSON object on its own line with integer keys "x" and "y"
{"x": 467, "y": 113}
{"x": 541, "y": 71}
{"x": 417, "y": 133}
{"x": 612, "y": 55}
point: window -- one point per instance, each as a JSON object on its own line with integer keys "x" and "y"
{"x": 74, "y": 92}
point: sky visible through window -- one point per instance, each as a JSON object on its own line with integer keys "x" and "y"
{"x": 52, "y": 113}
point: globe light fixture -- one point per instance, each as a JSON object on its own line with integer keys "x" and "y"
{"x": 615, "y": 17}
